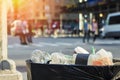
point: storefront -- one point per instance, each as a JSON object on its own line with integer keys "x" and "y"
{"x": 98, "y": 9}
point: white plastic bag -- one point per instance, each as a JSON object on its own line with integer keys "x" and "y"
{"x": 69, "y": 59}
{"x": 39, "y": 56}
{"x": 58, "y": 58}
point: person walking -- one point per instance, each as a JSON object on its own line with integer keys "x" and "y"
{"x": 29, "y": 34}
{"x": 19, "y": 29}
{"x": 23, "y": 35}
{"x": 86, "y": 31}
{"x": 94, "y": 29}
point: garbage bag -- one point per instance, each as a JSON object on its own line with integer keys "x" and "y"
{"x": 38, "y": 71}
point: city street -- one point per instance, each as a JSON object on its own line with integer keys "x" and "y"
{"x": 57, "y": 26}
{"x": 20, "y": 53}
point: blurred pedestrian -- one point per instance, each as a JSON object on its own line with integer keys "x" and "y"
{"x": 24, "y": 32}
{"x": 19, "y": 28}
{"x": 94, "y": 29}
{"x": 86, "y": 31}
{"x": 30, "y": 33}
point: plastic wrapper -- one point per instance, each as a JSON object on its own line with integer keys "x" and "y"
{"x": 101, "y": 58}
{"x": 39, "y": 56}
{"x": 60, "y": 58}
{"x": 70, "y": 59}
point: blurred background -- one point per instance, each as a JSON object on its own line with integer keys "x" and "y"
{"x": 55, "y": 17}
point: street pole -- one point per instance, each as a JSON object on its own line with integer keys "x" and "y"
{"x": 3, "y": 30}
{"x": 7, "y": 66}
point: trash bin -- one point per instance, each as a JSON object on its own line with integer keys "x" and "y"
{"x": 38, "y": 71}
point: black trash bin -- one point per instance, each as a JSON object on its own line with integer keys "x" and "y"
{"x": 38, "y": 71}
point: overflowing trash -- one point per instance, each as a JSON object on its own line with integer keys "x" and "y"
{"x": 82, "y": 65}
{"x": 39, "y": 56}
{"x": 80, "y": 56}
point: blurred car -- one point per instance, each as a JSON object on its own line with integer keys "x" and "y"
{"x": 112, "y": 26}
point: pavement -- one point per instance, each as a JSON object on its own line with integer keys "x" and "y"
{"x": 24, "y": 75}
{"x": 21, "y": 68}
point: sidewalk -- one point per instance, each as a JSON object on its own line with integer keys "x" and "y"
{"x": 24, "y": 75}
{"x": 22, "y": 69}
